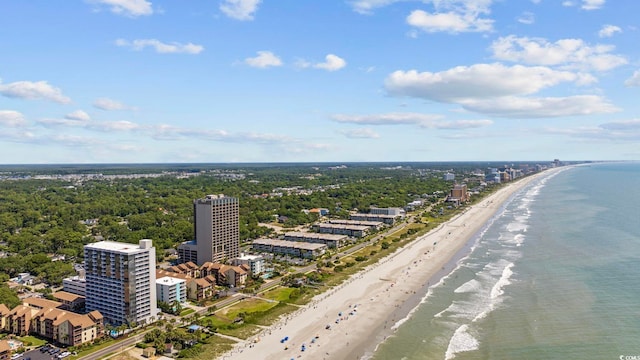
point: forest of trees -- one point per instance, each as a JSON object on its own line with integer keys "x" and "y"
{"x": 41, "y": 218}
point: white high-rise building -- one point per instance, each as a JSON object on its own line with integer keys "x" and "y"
{"x": 121, "y": 281}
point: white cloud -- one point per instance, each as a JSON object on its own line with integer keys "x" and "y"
{"x": 525, "y": 107}
{"x": 100, "y": 126}
{"x": 332, "y": 63}
{"x": 38, "y": 90}
{"x": 263, "y": 60}
{"x": 609, "y": 31}
{"x": 477, "y": 81}
{"x": 360, "y": 134}
{"x": 73, "y": 140}
{"x": 622, "y": 125}
{"x": 386, "y": 119}
{"x": 114, "y": 126}
{"x": 61, "y": 122}
{"x": 462, "y": 124}
{"x": 592, "y": 4}
{"x": 11, "y": 118}
{"x": 616, "y": 131}
{"x": 78, "y": 115}
{"x": 109, "y": 104}
{"x": 367, "y": 6}
{"x": 18, "y": 136}
{"x": 527, "y": 18}
{"x": 454, "y": 16}
{"x": 131, "y": 8}
{"x": 452, "y": 22}
{"x": 160, "y": 47}
{"x": 427, "y": 121}
{"x": 128, "y": 148}
{"x": 170, "y": 132}
{"x": 240, "y": 9}
{"x": 571, "y": 53}
{"x": 634, "y": 80}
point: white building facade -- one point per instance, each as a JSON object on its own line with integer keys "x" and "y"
{"x": 75, "y": 285}
{"x": 121, "y": 281}
{"x": 170, "y": 290}
{"x": 254, "y": 262}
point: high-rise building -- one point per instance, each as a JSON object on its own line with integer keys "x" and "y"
{"x": 459, "y": 193}
{"x": 216, "y": 224}
{"x": 121, "y": 281}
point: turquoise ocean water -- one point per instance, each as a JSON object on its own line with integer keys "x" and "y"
{"x": 555, "y": 275}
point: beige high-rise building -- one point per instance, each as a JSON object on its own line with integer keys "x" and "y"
{"x": 216, "y": 225}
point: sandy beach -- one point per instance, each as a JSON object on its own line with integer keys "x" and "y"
{"x": 364, "y": 310}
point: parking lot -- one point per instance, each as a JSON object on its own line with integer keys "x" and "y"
{"x": 42, "y": 355}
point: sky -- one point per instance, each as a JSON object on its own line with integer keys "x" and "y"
{"x": 236, "y": 81}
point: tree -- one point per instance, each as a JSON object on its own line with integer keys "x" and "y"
{"x": 8, "y": 296}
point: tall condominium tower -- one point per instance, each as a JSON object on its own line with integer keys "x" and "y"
{"x": 216, "y": 224}
{"x": 121, "y": 281}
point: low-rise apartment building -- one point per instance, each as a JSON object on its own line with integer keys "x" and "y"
{"x": 291, "y": 248}
{"x": 170, "y": 290}
{"x": 331, "y": 240}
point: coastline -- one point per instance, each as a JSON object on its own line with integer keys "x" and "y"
{"x": 366, "y": 309}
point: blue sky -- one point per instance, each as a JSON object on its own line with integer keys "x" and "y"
{"x": 148, "y": 81}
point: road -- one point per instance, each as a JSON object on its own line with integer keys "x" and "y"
{"x": 122, "y": 344}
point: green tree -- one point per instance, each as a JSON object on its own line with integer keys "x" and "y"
{"x": 8, "y": 297}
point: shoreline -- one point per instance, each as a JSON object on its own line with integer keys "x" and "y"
{"x": 365, "y": 309}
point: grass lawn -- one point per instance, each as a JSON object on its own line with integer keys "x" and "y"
{"x": 247, "y": 306}
{"x": 274, "y": 313}
{"x": 32, "y": 341}
{"x": 186, "y": 312}
{"x": 214, "y": 348}
{"x": 282, "y": 294}
{"x": 92, "y": 348}
{"x": 243, "y": 331}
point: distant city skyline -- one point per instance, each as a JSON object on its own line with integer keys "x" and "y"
{"x": 251, "y": 81}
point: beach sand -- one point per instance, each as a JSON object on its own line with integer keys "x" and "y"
{"x": 366, "y": 308}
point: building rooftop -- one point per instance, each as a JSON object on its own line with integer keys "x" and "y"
{"x": 291, "y": 244}
{"x": 41, "y": 303}
{"x": 167, "y": 280}
{"x": 379, "y": 216}
{"x": 319, "y": 236}
{"x": 250, "y": 257}
{"x": 119, "y": 247}
{"x": 342, "y": 227}
{"x": 356, "y": 222}
{"x": 66, "y": 296}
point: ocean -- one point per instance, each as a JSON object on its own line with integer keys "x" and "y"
{"x": 554, "y": 275}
